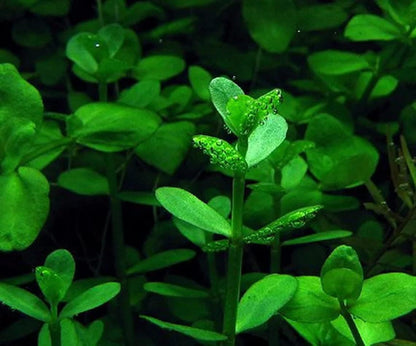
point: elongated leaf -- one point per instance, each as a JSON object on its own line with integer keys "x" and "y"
{"x": 265, "y": 138}
{"x": 84, "y": 181}
{"x": 139, "y": 197}
{"x": 195, "y": 333}
{"x": 295, "y": 219}
{"x": 368, "y": 27}
{"x": 222, "y": 90}
{"x": 161, "y": 260}
{"x": 44, "y": 337}
{"x": 24, "y": 301}
{"x": 189, "y": 208}
{"x": 335, "y": 62}
{"x": 328, "y": 235}
{"x": 69, "y": 335}
{"x": 386, "y": 297}
{"x": 24, "y": 205}
{"x": 90, "y": 299}
{"x": 263, "y": 299}
{"x": 271, "y": 23}
{"x": 171, "y": 290}
{"x": 111, "y": 127}
{"x": 310, "y": 303}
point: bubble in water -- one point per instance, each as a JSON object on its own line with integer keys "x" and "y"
{"x": 160, "y": 40}
{"x": 298, "y": 30}
{"x": 234, "y": 77}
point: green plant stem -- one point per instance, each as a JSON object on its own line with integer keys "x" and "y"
{"x": 119, "y": 251}
{"x": 118, "y": 240}
{"x": 100, "y": 12}
{"x": 235, "y": 253}
{"x": 54, "y": 327}
{"x": 102, "y": 91}
{"x": 347, "y": 316}
{"x": 274, "y": 323}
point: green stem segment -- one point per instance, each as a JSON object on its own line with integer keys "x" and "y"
{"x": 354, "y": 330}
{"x": 235, "y": 253}
{"x": 54, "y": 327}
{"x": 119, "y": 251}
{"x": 118, "y": 240}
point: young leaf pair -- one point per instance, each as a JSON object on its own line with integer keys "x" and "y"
{"x": 54, "y": 279}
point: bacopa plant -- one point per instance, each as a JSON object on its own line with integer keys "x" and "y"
{"x": 222, "y": 173}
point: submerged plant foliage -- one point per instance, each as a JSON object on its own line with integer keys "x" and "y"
{"x": 223, "y": 173}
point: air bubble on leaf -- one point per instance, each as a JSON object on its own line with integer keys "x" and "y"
{"x": 235, "y": 97}
{"x": 97, "y": 45}
{"x": 219, "y": 143}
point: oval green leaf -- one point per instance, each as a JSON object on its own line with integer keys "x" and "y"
{"x": 189, "y": 208}
{"x": 263, "y": 299}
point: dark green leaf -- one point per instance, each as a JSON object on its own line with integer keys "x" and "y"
{"x": 336, "y": 62}
{"x": 138, "y": 197}
{"x": 368, "y": 27}
{"x": 200, "y": 79}
{"x": 171, "y": 290}
{"x": 320, "y": 17}
{"x": 271, "y": 23}
{"x": 195, "y": 333}
{"x": 140, "y": 94}
{"x": 84, "y": 181}
{"x": 162, "y": 260}
{"x": 31, "y": 32}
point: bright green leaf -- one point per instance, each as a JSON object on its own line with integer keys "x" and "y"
{"x": 159, "y": 67}
{"x": 371, "y": 333}
{"x": 263, "y": 299}
{"x": 23, "y": 301}
{"x": 62, "y": 262}
{"x": 189, "y": 208}
{"x": 385, "y": 297}
{"x": 19, "y": 98}
{"x": 69, "y": 335}
{"x": 111, "y": 127}
{"x": 265, "y": 138}
{"x": 44, "y": 337}
{"x": 24, "y": 204}
{"x": 310, "y": 303}
{"x": 222, "y": 90}
{"x": 90, "y": 299}
{"x": 322, "y": 236}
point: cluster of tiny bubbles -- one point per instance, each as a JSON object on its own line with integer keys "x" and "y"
{"x": 220, "y": 152}
{"x": 217, "y": 246}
